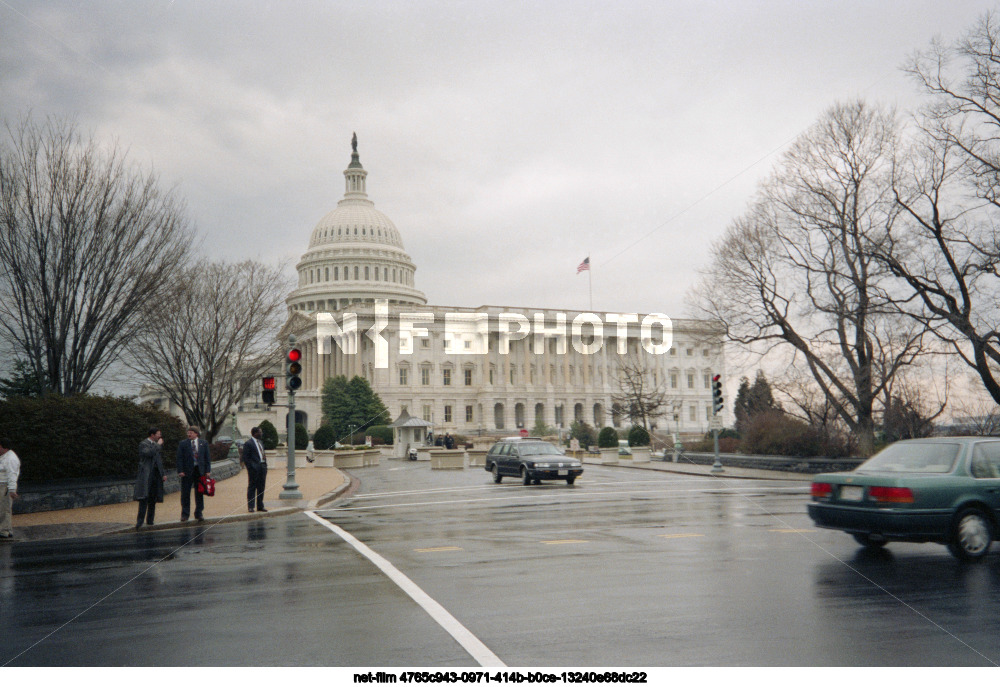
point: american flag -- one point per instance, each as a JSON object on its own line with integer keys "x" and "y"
{"x": 585, "y": 265}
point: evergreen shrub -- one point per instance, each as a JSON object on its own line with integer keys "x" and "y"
{"x": 324, "y": 438}
{"x": 83, "y": 436}
{"x": 301, "y": 436}
{"x": 638, "y": 436}
{"x": 269, "y": 435}
{"x": 608, "y": 438}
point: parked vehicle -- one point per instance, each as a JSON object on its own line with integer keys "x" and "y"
{"x": 532, "y": 460}
{"x": 943, "y": 490}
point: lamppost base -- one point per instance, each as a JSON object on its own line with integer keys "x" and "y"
{"x": 291, "y": 492}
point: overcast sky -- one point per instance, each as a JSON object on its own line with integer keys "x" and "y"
{"x": 506, "y": 141}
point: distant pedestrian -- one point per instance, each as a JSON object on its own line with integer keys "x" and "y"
{"x": 193, "y": 461}
{"x": 449, "y": 440}
{"x": 149, "y": 481}
{"x": 10, "y": 470}
{"x": 256, "y": 463}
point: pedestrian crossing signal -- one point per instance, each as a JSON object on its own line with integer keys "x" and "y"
{"x": 268, "y": 394}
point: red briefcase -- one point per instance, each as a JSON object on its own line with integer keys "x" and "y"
{"x": 206, "y": 485}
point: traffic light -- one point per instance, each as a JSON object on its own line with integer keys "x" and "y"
{"x": 716, "y": 394}
{"x": 268, "y": 394}
{"x": 293, "y": 381}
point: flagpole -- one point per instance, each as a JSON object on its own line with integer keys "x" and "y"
{"x": 590, "y": 282}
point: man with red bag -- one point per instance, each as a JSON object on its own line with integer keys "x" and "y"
{"x": 193, "y": 461}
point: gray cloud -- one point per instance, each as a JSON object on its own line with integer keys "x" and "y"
{"x": 505, "y": 140}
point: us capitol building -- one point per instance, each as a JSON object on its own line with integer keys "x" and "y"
{"x": 357, "y": 266}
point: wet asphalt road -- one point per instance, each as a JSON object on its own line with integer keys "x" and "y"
{"x": 627, "y": 568}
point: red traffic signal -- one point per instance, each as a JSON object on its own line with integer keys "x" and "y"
{"x": 294, "y": 368}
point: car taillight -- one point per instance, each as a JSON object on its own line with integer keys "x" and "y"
{"x": 890, "y": 494}
{"x": 821, "y": 490}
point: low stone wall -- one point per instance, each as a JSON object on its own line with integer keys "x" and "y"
{"x": 781, "y": 463}
{"x": 477, "y": 456}
{"x": 61, "y": 495}
{"x": 356, "y": 459}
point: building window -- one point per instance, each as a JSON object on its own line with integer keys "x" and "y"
{"x": 425, "y": 376}
{"x": 673, "y": 380}
{"x": 690, "y": 352}
{"x": 708, "y": 412}
{"x": 336, "y": 274}
{"x": 446, "y": 377}
{"x": 513, "y": 373}
{"x": 468, "y": 378}
{"x": 468, "y": 345}
{"x": 691, "y": 381}
{"x": 708, "y": 380}
{"x": 447, "y": 413}
{"x": 468, "y": 413}
{"x": 427, "y": 413}
{"x": 355, "y": 267}
{"x": 404, "y": 376}
{"x": 425, "y": 342}
{"x": 366, "y": 273}
{"x": 491, "y": 376}
{"x": 327, "y": 270}
{"x": 704, "y": 352}
{"x": 693, "y": 410}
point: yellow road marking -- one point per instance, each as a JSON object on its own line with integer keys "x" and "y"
{"x": 439, "y": 548}
{"x": 679, "y": 536}
{"x": 566, "y": 541}
{"x": 790, "y": 531}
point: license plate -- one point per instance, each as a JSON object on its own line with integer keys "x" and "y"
{"x": 563, "y": 473}
{"x": 851, "y": 493}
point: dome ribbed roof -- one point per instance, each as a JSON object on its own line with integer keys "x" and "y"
{"x": 355, "y": 220}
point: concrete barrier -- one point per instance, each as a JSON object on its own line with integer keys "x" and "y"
{"x": 447, "y": 459}
{"x": 477, "y": 456}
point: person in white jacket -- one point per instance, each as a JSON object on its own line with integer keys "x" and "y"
{"x": 10, "y": 470}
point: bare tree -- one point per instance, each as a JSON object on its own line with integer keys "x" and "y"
{"x": 211, "y": 336}
{"x": 797, "y": 269}
{"x": 946, "y": 249}
{"x": 86, "y": 240}
{"x": 640, "y": 399}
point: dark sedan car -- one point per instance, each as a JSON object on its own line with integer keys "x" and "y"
{"x": 532, "y": 460}
{"x": 923, "y": 490}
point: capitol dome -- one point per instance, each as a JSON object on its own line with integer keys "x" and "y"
{"x": 355, "y": 255}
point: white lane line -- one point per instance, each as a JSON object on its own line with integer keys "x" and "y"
{"x": 469, "y": 641}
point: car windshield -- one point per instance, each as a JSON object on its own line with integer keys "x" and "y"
{"x": 538, "y": 449}
{"x": 913, "y": 457}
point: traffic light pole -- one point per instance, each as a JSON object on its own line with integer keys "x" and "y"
{"x": 717, "y": 403}
{"x": 291, "y": 488}
{"x": 717, "y": 465}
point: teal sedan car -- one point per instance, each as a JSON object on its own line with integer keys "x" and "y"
{"x": 943, "y": 490}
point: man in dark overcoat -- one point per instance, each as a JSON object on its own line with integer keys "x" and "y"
{"x": 256, "y": 464}
{"x": 149, "y": 481}
{"x": 193, "y": 461}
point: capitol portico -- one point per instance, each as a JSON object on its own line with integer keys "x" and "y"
{"x": 356, "y": 266}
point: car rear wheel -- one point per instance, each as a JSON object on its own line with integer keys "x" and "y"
{"x": 570, "y": 480}
{"x": 525, "y": 478}
{"x": 866, "y": 541}
{"x": 971, "y": 535}
{"x": 497, "y": 477}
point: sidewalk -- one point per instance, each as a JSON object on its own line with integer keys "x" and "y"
{"x": 317, "y": 486}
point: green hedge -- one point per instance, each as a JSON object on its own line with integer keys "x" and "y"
{"x": 83, "y": 437}
{"x": 383, "y": 432}
{"x": 301, "y": 436}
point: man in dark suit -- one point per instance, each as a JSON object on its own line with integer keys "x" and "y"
{"x": 193, "y": 461}
{"x": 256, "y": 464}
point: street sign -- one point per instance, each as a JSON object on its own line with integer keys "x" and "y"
{"x": 524, "y": 433}
{"x": 715, "y": 423}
